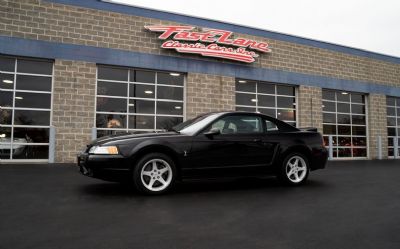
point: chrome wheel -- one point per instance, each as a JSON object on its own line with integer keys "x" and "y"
{"x": 156, "y": 175}
{"x": 296, "y": 169}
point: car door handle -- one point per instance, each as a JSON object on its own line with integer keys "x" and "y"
{"x": 257, "y": 140}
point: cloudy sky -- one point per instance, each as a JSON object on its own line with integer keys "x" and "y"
{"x": 366, "y": 24}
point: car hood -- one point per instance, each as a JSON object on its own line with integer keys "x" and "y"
{"x": 112, "y": 138}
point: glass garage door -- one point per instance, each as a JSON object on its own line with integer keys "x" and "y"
{"x": 344, "y": 118}
{"x": 25, "y": 102}
{"x": 393, "y": 124}
{"x": 135, "y": 100}
{"x": 275, "y": 100}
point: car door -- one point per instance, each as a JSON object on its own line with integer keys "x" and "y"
{"x": 240, "y": 143}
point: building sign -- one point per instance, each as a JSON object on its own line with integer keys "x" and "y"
{"x": 209, "y": 42}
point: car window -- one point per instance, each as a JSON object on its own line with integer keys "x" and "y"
{"x": 236, "y": 124}
{"x": 270, "y": 126}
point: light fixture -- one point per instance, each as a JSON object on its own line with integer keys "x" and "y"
{"x": 323, "y": 106}
{"x": 279, "y": 113}
{"x": 18, "y": 97}
{"x": 131, "y": 104}
{"x": 345, "y": 93}
{"x": 8, "y": 81}
{"x": 242, "y": 81}
{"x": 178, "y": 107}
{"x": 253, "y": 100}
{"x": 148, "y": 92}
{"x": 2, "y": 135}
{"x": 175, "y": 74}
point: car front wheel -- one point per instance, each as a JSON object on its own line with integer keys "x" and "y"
{"x": 154, "y": 174}
{"x": 294, "y": 170}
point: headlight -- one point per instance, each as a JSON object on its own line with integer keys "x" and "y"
{"x": 108, "y": 150}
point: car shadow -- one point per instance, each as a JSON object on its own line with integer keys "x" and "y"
{"x": 110, "y": 189}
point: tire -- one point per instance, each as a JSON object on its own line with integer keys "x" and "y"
{"x": 154, "y": 173}
{"x": 294, "y": 169}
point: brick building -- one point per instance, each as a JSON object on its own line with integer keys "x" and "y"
{"x": 75, "y": 70}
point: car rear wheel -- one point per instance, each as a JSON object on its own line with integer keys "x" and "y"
{"x": 294, "y": 170}
{"x": 154, "y": 174}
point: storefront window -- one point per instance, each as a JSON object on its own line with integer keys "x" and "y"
{"x": 25, "y": 108}
{"x": 393, "y": 124}
{"x": 344, "y": 117}
{"x": 135, "y": 100}
{"x": 278, "y": 101}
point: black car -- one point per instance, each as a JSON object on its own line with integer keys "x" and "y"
{"x": 219, "y": 144}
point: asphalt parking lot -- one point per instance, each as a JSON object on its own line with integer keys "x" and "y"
{"x": 349, "y": 205}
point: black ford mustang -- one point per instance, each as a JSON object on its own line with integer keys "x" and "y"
{"x": 222, "y": 144}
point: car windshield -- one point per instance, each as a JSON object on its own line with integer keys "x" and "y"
{"x": 194, "y": 125}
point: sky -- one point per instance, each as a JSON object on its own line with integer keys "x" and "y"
{"x": 365, "y": 24}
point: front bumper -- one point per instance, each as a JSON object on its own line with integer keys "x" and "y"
{"x": 106, "y": 167}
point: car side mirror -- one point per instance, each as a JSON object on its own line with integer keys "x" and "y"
{"x": 212, "y": 132}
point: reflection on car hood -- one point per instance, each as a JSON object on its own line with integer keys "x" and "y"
{"x": 111, "y": 138}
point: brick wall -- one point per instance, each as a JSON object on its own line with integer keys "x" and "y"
{"x": 206, "y": 93}
{"x": 377, "y": 124}
{"x": 41, "y": 20}
{"x": 73, "y": 107}
{"x": 310, "y": 107}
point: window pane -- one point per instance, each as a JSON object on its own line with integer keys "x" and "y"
{"x": 112, "y": 88}
{"x": 328, "y": 95}
{"x": 268, "y": 111}
{"x": 397, "y": 102}
{"x": 5, "y": 142}
{"x": 358, "y": 109}
{"x": 102, "y": 133}
{"x": 344, "y": 130}
{"x": 5, "y": 116}
{"x": 284, "y": 102}
{"x": 28, "y": 117}
{"x": 170, "y": 79}
{"x": 245, "y": 109}
{"x": 329, "y": 129}
{"x": 287, "y": 115}
{"x": 31, "y": 135}
{"x": 6, "y": 81}
{"x": 266, "y": 100}
{"x": 33, "y": 100}
{"x": 341, "y": 96}
{"x": 170, "y": 108}
{"x": 143, "y": 76}
{"x": 34, "y": 83}
{"x": 142, "y": 91}
{"x": 344, "y": 141}
{"x": 344, "y": 152}
{"x": 266, "y": 88}
{"x": 359, "y": 152}
{"x": 341, "y": 107}
{"x": 390, "y": 101}
{"x": 34, "y": 66}
{"x": 30, "y": 152}
{"x": 6, "y": 99}
{"x": 358, "y": 119}
{"x": 390, "y": 141}
{"x": 165, "y": 92}
{"x": 112, "y": 73}
{"x": 329, "y": 118}
{"x": 326, "y": 140}
{"x": 141, "y": 122}
{"x": 357, "y": 98}
{"x": 245, "y": 86}
{"x": 359, "y": 130}
{"x": 110, "y": 121}
{"x": 391, "y": 111}
{"x": 328, "y": 106}
{"x": 246, "y": 99}
{"x": 111, "y": 105}
{"x": 359, "y": 141}
{"x": 391, "y": 132}
{"x": 343, "y": 118}
{"x": 167, "y": 122}
{"x": 141, "y": 106}
{"x": 285, "y": 90}
{"x": 7, "y": 64}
